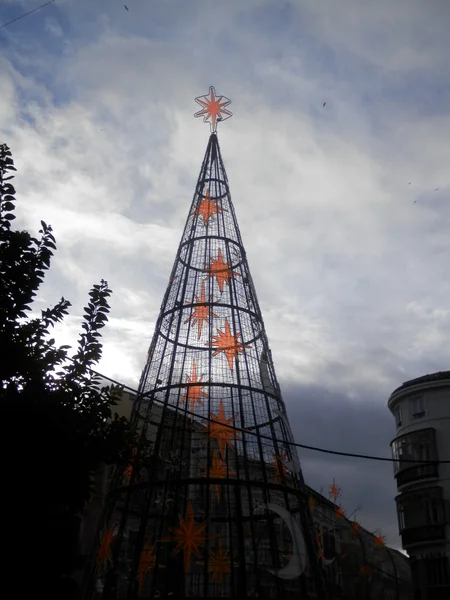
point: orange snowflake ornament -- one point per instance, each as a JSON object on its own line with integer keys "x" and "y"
{"x": 207, "y": 208}
{"x": 221, "y": 270}
{"x": 213, "y": 108}
{"x": 220, "y": 428}
{"x": 201, "y": 313}
{"x": 228, "y": 343}
{"x": 194, "y": 393}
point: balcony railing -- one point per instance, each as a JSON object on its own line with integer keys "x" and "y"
{"x": 421, "y": 471}
{"x": 419, "y": 535}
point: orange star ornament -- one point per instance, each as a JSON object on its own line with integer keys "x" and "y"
{"x": 355, "y": 527}
{"x": 104, "y": 552}
{"x": 189, "y": 536}
{"x": 312, "y": 502}
{"x": 202, "y": 313}
{"x": 335, "y": 491}
{"x": 380, "y": 540}
{"x": 219, "y": 564}
{"x": 213, "y": 108}
{"x": 365, "y": 570}
{"x": 221, "y": 429}
{"x": 217, "y": 470}
{"x": 279, "y": 466}
{"x": 227, "y": 343}
{"x": 340, "y": 513}
{"x": 221, "y": 270}
{"x": 147, "y": 562}
{"x": 194, "y": 393}
{"x": 207, "y": 208}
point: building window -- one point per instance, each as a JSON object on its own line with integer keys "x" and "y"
{"x": 417, "y": 446}
{"x": 420, "y": 508}
{"x": 417, "y": 406}
{"x": 437, "y": 570}
{"x": 401, "y": 517}
{"x": 398, "y": 416}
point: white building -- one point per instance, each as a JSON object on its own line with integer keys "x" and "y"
{"x": 421, "y": 408}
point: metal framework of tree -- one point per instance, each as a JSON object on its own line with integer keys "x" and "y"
{"x": 213, "y": 504}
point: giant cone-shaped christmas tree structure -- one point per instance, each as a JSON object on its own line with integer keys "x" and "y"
{"x": 212, "y": 504}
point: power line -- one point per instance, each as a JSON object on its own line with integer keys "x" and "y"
{"x": 288, "y": 443}
{"x": 26, "y": 14}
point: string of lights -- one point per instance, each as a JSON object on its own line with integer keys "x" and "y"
{"x": 294, "y": 444}
{"x": 26, "y": 14}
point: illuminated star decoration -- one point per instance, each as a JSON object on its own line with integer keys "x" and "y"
{"x": 312, "y": 502}
{"x": 127, "y": 474}
{"x": 207, "y": 208}
{"x": 217, "y": 470}
{"x": 320, "y": 554}
{"x": 227, "y": 343}
{"x": 365, "y": 570}
{"x": 130, "y": 468}
{"x": 201, "y": 313}
{"x": 340, "y": 512}
{"x": 194, "y": 393}
{"x": 189, "y": 536}
{"x": 213, "y": 107}
{"x": 219, "y": 428}
{"x": 219, "y": 564}
{"x": 380, "y": 540}
{"x": 335, "y": 491}
{"x": 147, "y": 562}
{"x": 355, "y": 527}
{"x": 220, "y": 270}
{"x": 280, "y": 467}
{"x": 104, "y": 552}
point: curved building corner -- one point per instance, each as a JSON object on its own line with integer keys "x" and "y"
{"x": 421, "y": 408}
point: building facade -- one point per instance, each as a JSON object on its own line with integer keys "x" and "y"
{"x": 421, "y": 408}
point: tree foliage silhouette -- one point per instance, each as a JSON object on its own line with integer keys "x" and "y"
{"x": 57, "y": 424}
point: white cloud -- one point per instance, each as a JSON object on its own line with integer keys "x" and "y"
{"x": 349, "y": 261}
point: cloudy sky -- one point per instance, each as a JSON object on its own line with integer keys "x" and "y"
{"x": 346, "y": 235}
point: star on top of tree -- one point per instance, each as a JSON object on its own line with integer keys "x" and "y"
{"x": 213, "y": 108}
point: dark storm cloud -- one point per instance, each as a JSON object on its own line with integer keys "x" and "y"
{"x": 332, "y": 420}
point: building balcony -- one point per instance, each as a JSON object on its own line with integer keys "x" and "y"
{"x": 423, "y": 534}
{"x": 417, "y": 472}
